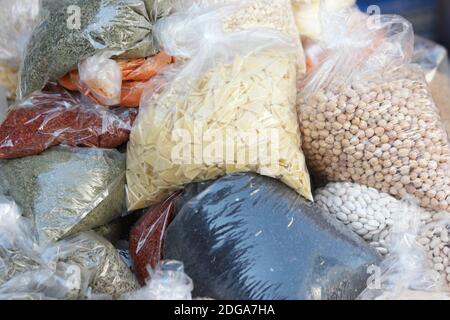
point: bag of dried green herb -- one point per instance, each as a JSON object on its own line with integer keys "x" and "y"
{"x": 66, "y": 190}
{"x": 16, "y": 242}
{"x": 108, "y": 273}
{"x": 73, "y": 30}
{"x": 28, "y": 271}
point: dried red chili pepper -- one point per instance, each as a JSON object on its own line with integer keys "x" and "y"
{"x": 49, "y": 119}
{"x": 146, "y": 238}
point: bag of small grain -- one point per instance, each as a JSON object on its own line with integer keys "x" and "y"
{"x": 66, "y": 191}
{"x": 147, "y": 237}
{"x": 367, "y": 115}
{"x": 229, "y": 107}
{"x": 51, "y": 118}
{"x": 250, "y": 14}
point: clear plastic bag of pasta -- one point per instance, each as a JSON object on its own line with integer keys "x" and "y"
{"x": 367, "y": 115}
{"x": 229, "y": 107}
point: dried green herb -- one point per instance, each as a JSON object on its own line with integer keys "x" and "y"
{"x": 55, "y": 49}
{"x": 14, "y": 261}
{"x": 66, "y": 191}
{"x": 109, "y": 273}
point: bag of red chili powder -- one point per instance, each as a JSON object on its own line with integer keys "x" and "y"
{"x": 49, "y": 119}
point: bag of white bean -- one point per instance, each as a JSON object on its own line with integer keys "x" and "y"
{"x": 367, "y": 115}
{"x": 434, "y": 237}
{"x": 406, "y": 273}
{"x": 367, "y": 211}
{"x": 228, "y": 107}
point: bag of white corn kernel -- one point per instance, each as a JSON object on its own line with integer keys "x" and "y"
{"x": 228, "y": 106}
{"x": 367, "y": 115}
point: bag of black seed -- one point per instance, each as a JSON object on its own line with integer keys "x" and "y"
{"x": 253, "y": 238}
{"x": 367, "y": 115}
{"x": 73, "y": 30}
{"x": 65, "y": 190}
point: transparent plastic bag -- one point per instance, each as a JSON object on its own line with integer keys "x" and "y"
{"x": 17, "y": 19}
{"x": 102, "y": 76}
{"x": 250, "y": 14}
{"x": 69, "y": 269}
{"x": 8, "y": 80}
{"x": 147, "y": 237}
{"x": 91, "y": 26}
{"x": 367, "y": 115}
{"x": 367, "y": 211}
{"x": 407, "y": 272}
{"x": 433, "y": 59}
{"x": 49, "y": 119}
{"x": 307, "y": 14}
{"x": 108, "y": 273}
{"x": 27, "y": 270}
{"x": 167, "y": 282}
{"x": 249, "y": 237}
{"x": 44, "y": 284}
{"x": 66, "y": 191}
{"x": 17, "y": 242}
{"x": 434, "y": 237}
{"x": 232, "y": 88}
{"x": 135, "y": 76}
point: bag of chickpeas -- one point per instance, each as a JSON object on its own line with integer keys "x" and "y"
{"x": 228, "y": 106}
{"x": 367, "y": 115}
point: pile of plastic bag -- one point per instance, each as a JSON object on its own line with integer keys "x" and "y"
{"x": 221, "y": 149}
